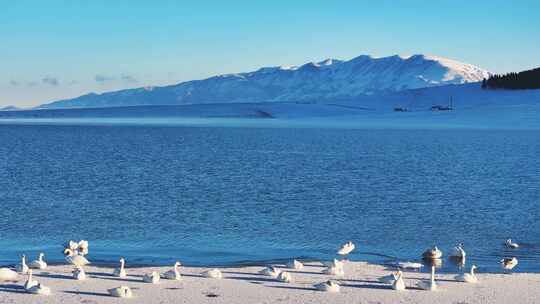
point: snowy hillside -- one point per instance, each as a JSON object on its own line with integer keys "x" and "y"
{"x": 328, "y": 80}
{"x": 9, "y": 108}
{"x": 473, "y": 108}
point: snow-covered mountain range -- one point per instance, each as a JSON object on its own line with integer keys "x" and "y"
{"x": 328, "y": 80}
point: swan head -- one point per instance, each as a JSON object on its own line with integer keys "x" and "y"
{"x": 177, "y": 264}
{"x": 41, "y": 255}
{"x": 83, "y": 244}
{"x": 72, "y": 245}
{"x": 68, "y": 252}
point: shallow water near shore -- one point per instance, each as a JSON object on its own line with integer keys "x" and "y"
{"x": 214, "y": 196}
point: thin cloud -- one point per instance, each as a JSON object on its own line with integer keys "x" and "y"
{"x": 101, "y": 79}
{"x": 128, "y": 78}
{"x": 47, "y": 80}
{"x": 53, "y": 81}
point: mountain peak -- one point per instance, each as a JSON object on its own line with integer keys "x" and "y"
{"x": 329, "y": 61}
{"x": 329, "y": 79}
{"x": 9, "y": 108}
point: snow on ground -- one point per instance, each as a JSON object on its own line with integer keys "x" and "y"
{"x": 245, "y": 285}
{"x": 472, "y": 108}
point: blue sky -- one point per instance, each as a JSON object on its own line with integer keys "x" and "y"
{"x": 60, "y": 49}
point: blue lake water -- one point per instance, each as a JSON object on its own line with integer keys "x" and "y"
{"x": 213, "y": 195}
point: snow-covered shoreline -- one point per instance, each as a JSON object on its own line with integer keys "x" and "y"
{"x": 496, "y": 117}
{"x": 246, "y": 285}
{"x": 473, "y": 108}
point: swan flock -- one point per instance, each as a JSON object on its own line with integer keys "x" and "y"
{"x": 75, "y": 254}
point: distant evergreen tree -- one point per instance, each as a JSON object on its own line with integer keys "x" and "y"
{"x": 514, "y": 81}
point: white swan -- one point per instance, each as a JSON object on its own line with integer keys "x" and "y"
{"x": 75, "y": 259}
{"x": 509, "y": 263}
{"x": 295, "y": 264}
{"x": 432, "y": 253}
{"x": 468, "y": 277}
{"x": 173, "y": 274}
{"x": 409, "y": 265}
{"x": 7, "y": 274}
{"x": 82, "y": 247}
{"x": 213, "y": 273}
{"x": 458, "y": 252}
{"x": 40, "y": 289}
{"x": 270, "y": 271}
{"x": 22, "y": 267}
{"x": 39, "y": 263}
{"x": 121, "y": 292}
{"x": 389, "y": 279}
{"x": 151, "y": 277}
{"x": 328, "y": 286}
{"x": 79, "y": 273}
{"x": 120, "y": 271}
{"x": 346, "y": 248}
{"x": 511, "y": 244}
{"x": 30, "y": 282}
{"x": 285, "y": 276}
{"x": 399, "y": 284}
{"x": 428, "y": 284}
